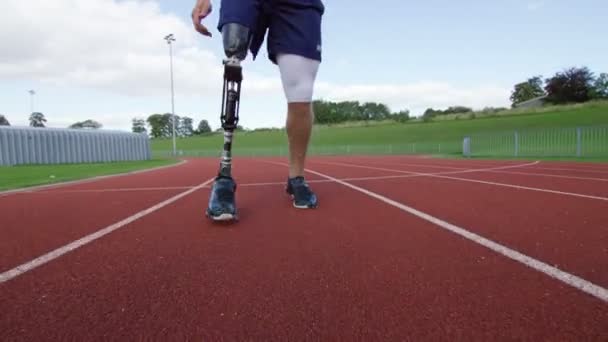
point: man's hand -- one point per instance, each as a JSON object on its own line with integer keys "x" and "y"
{"x": 200, "y": 11}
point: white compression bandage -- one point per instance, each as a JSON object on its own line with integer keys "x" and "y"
{"x": 298, "y": 75}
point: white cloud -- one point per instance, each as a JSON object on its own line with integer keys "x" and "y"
{"x": 116, "y": 47}
{"x": 104, "y": 44}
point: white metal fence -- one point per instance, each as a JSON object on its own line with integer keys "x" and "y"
{"x": 590, "y": 141}
{"x": 25, "y": 145}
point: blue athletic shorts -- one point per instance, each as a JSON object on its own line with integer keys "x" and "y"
{"x": 293, "y": 26}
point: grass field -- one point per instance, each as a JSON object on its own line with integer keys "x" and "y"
{"x": 30, "y": 175}
{"x": 438, "y": 137}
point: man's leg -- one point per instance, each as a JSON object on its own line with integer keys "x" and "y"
{"x": 222, "y": 200}
{"x": 294, "y": 44}
{"x": 243, "y": 25}
{"x": 300, "y": 118}
{"x": 298, "y": 76}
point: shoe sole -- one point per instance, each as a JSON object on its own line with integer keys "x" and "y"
{"x": 302, "y": 206}
{"x": 223, "y": 217}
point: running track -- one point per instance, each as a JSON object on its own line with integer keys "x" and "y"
{"x": 401, "y": 248}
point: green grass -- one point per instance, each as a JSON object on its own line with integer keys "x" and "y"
{"x": 442, "y": 136}
{"x": 16, "y": 177}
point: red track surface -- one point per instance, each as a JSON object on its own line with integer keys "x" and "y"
{"x": 354, "y": 269}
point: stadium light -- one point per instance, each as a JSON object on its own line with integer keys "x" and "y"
{"x": 170, "y": 39}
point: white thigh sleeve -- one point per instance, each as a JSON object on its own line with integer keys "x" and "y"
{"x": 298, "y": 75}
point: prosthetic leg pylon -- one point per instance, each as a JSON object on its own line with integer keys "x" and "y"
{"x": 222, "y": 203}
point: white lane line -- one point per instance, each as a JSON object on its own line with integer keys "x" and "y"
{"x": 548, "y": 175}
{"x": 43, "y": 259}
{"x": 423, "y": 174}
{"x": 442, "y": 175}
{"x": 503, "y": 172}
{"x": 452, "y": 166}
{"x": 565, "y": 277}
{"x": 116, "y": 190}
{"x": 573, "y": 170}
{"x": 83, "y": 181}
{"x": 407, "y": 175}
{"x": 328, "y": 181}
{"x": 419, "y": 165}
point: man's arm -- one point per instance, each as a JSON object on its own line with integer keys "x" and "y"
{"x": 200, "y": 11}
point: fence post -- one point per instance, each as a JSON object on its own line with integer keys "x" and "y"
{"x": 578, "y": 141}
{"x": 516, "y": 143}
{"x": 466, "y": 147}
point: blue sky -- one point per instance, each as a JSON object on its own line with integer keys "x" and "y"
{"x": 106, "y": 59}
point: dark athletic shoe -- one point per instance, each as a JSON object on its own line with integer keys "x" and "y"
{"x": 303, "y": 197}
{"x": 222, "y": 204}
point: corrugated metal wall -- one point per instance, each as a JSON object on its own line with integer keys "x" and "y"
{"x": 25, "y": 145}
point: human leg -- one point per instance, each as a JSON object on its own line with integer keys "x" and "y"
{"x": 298, "y": 75}
{"x": 294, "y": 44}
{"x": 237, "y": 25}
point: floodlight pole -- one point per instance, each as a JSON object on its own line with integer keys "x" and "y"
{"x": 170, "y": 39}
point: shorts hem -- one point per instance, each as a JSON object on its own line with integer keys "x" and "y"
{"x": 272, "y": 56}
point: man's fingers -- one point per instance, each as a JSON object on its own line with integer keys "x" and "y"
{"x": 203, "y": 30}
{"x": 198, "y": 14}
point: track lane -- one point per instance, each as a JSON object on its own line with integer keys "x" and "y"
{"x": 354, "y": 269}
{"x": 564, "y": 168}
{"x": 517, "y": 174}
{"x": 33, "y": 225}
{"x": 564, "y": 231}
{"x": 530, "y": 170}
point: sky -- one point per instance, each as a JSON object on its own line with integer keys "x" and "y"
{"x": 106, "y": 59}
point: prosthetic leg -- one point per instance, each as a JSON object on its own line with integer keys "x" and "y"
{"x": 222, "y": 203}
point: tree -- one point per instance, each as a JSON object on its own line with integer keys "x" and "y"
{"x": 572, "y": 85}
{"x": 186, "y": 128}
{"x": 375, "y": 111}
{"x": 37, "y": 120}
{"x": 139, "y": 125}
{"x": 457, "y": 110}
{"x": 4, "y": 121}
{"x": 87, "y": 124}
{"x": 600, "y": 87}
{"x": 528, "y": 90}
{"x": 203, "y": 127}
{"x": 168, "y": 126}
{"x": 158, "y": 125}
{"x": 401, "y": 116}
{"x": 429, "y": 114}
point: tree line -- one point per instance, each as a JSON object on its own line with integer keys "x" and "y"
{"x": 161, "y": 126}
{"x": 573, "y": 85}
{"x": 328, "y": 112}
{"x": 38, "y": 120}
